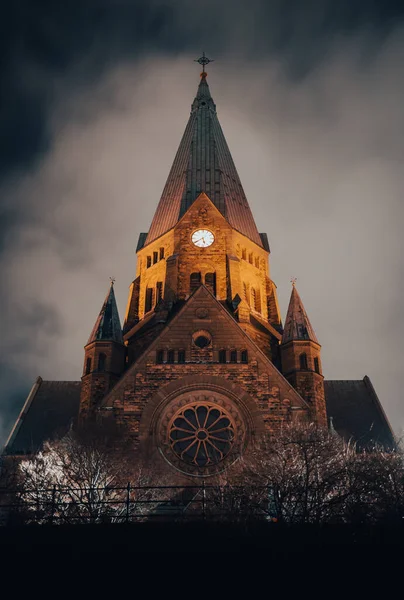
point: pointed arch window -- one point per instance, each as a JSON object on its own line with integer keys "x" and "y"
{"x": 303, "y": 361}
{"x": 170, "y": 357}
{"x": 233, "y": 356}
{"x": 244, "y": 356}
{"x": 195, "y": 281}
{"x": 210, "y": 282}
{"x": 88, "y": 366}
{"x": 161, "y": 253}
{"x": 316, "y": 364}
{"x": 257, "y": 262}
{"x": 155, "y": 257}
{"x": 244, "y": 254}
{"x": 250, "y": 258}
{"x": 148, "y": 262}
{"x": 181, "y": 356}
{"x": 102, "y": 359}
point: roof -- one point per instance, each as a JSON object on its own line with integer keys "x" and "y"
{"x": 107, "y": 325}
{"x": 297, "y": 324}
{"x": 50, "y": 409}
{"x": 203, "y": 163}
{"x": 356, "y": 413}
{"x": 52, "y": 406}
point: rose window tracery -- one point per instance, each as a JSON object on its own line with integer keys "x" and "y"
{"x": 202, "y": 434}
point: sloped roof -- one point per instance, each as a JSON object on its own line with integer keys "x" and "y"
{"x": 297, "y": 323}
{"x": 357, "y": 414}
{"x": 107, "y": 325}
{"x": 203, "y": 163}
{"x": 51, "y": 407}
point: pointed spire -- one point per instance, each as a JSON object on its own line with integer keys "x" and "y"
{"x": 107, "y": 325}
{"x": 297, "y": 324}
{"x": 203, "y": 163}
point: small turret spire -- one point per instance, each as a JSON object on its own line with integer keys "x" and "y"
{"x": 108, "y": 325}
{"x": 297, "y": 324}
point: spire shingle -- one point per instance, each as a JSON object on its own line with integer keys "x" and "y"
{"x": 297, "y": 324}
{"x": 107, "y": 325}
{"x": 203, "y": 163}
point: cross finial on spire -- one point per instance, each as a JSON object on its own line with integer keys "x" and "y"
{"x": 293, "y": 281}
{"x": 112, "y": 280}
{"x": 203, "y": 60}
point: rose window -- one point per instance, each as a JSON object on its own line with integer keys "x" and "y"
{"x": 201, "y": 434}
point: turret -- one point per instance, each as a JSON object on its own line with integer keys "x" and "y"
{"x": 104, "y": 359}
{"x": 301, "y": 361}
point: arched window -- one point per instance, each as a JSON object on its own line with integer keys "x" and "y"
{"x": 88, "y": 366}
{"x": 303, "y": 361}
{"x": 210, "y": 282}
{"x": 181, "y": 356}
{"x": 170, "y": 357}
{"x": 250, "y": 258}
{"x": 155, "y": 257}
{"x": 244, "y": 356}
{"x": 233, "y": 356}
{"x": 257, "y": 262}
{"x": 148, "y": 262}
{"x": 149, "y": 299}
{"x": 244, "y": 254}
{"x": 161, "y": 253}
{"x": 102, "y": 358}
{"x": 222, "y": 355}
{"x": 316, "y": 364}
{"x": 195, "y": 281}
{"x": 160, "y": 357}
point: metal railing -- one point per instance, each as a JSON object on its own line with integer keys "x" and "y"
{"x": 133, "y": 503}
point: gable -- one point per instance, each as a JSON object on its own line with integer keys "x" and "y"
{"x": 204, "y": 314}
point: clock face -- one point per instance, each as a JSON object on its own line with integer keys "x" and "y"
{"x": 203, "y": 238}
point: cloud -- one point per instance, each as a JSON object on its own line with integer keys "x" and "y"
{"x": 319, "y": 152}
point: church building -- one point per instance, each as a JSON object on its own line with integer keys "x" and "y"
{"x": 202, "y": 366}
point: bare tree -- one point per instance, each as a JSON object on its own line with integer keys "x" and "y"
{"x": 307, "y": 474}
{"x": 84, "y": 477}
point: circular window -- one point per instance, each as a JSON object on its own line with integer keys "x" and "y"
{"x": 201, "y": 434}
{"x": 202, "y": 341}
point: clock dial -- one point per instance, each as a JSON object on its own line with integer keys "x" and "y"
{"x": 203, "y": 238}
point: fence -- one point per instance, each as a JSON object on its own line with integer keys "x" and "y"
{"x": 134, "y": 503}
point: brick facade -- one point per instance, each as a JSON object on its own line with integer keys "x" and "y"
{"x": 223, "y": 295}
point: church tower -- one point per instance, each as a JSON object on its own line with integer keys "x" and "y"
{"x": 203, "y": 381}
{"x": 301, "y": 362}
{"x": 203, "y": 232}
{"x": 104, "y": 356}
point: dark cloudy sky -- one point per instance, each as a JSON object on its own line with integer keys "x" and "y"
{"x": 95, "y": 95}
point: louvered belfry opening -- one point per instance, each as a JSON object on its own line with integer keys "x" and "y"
{"x": 203, "y": 163}
{"x": 195, "y": 281}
